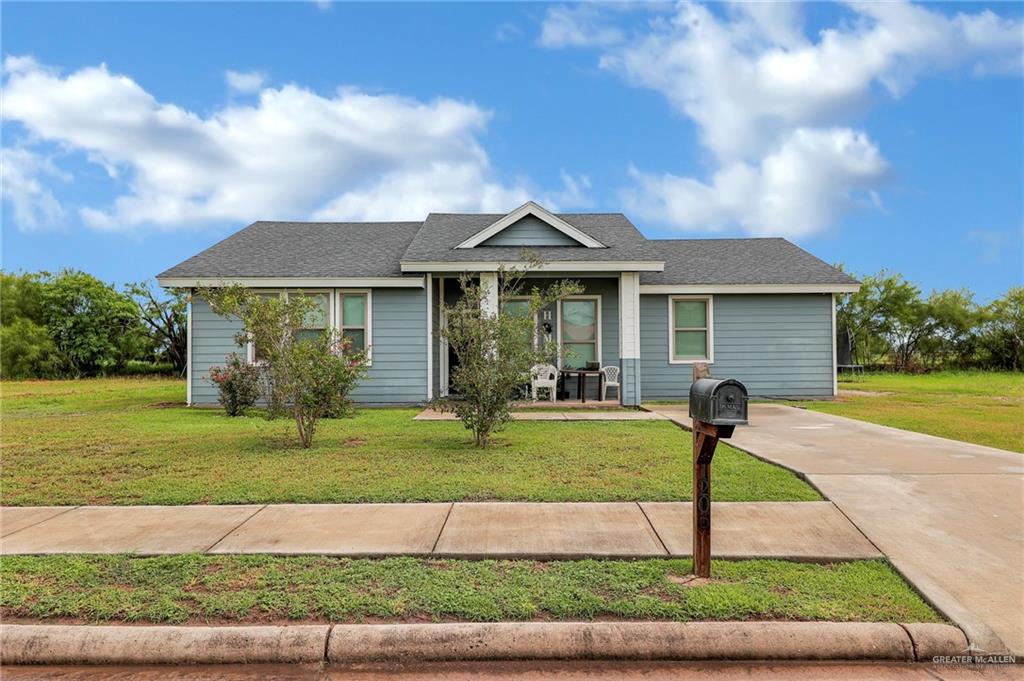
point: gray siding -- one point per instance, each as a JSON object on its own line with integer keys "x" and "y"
{"x": 530, "y": 231}
{"x": 213, "y": 338}
{"x": 399, "y": 371}
{"x": 777, "y": 345}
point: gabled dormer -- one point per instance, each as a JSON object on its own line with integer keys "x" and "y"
{"x": 530, "y": 225}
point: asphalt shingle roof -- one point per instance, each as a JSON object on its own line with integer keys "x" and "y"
{"x": 304, "y": 249}
{"x": 740, "y": 261}
{"x": 376, "y": 249}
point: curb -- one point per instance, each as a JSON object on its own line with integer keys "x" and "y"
{"x": 349, "y": 643}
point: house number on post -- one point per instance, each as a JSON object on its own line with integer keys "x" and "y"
{"x": 716, "y": 408}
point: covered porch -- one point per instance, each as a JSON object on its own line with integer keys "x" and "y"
{"x": 593, "y": 330}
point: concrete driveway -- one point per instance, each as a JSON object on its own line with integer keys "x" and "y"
{"x": 949, "y": 515}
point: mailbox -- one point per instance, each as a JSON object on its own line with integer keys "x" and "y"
{"x": 718, "y": 402}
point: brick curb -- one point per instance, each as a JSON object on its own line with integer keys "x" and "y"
{"x": 347, "y": 643}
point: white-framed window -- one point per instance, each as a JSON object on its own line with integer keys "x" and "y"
{"x": 355, "y": 318}
{"x": 690, "y": 329}
{"x": 579, "y": 331}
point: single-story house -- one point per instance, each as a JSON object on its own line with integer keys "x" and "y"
{"x": 758, "y": 310}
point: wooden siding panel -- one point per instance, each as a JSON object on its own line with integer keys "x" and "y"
{"x": 530, "y": 231}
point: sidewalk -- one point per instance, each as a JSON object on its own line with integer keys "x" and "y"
{"x": 949, "y": 515}
{"x": 785, "y": 530}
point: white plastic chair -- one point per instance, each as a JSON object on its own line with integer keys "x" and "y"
{"x": 544, "y": 376}
{"x": 611, "y": 378}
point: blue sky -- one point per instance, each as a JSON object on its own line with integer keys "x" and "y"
{"x": 891, "y": 136}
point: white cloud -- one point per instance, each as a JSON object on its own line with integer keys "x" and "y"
{"x": 578, "y": 26}
{"x": 508, "y": 32}
{"x": 245, "y": 82}
{"x": 767, "y": 99}
{"x": 290, "y": 154}
{"x": 34, "y": 205}
{"x": 795, "y": 190}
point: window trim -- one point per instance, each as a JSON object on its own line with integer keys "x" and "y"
{"x": 710, "y": 359}
{"x": 600, "y": 328}
{"x": 339, "y": 295}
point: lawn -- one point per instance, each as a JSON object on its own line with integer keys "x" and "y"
{"x": 982, "y": 407}
{"x": 203, "y": 588}
{"x": 129, "y": 441}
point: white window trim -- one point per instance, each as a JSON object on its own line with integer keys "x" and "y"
{"x": 339, "y": 293}
{"x": 536, "y": 318}
{"x": 710, "y": 359}
{"x": 600, "y": 329}
{"x": 333, "y": 316}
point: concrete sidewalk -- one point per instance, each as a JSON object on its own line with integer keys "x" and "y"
{"x": 556, "y": 415}
{"x": 949, "y": 515}
{"x": 795, "y": 530}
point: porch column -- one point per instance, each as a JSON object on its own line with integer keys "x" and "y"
{"x": 489, "y": 284}
{"x": 629, "y": 337}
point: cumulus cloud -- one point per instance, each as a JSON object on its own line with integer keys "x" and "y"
{"x": 34, "y": 205}
{"x": 795, "y": 190}
{"x": 245, "y": 82}
{"x": 769, "y": 101}
{"x": 290, "y": 154}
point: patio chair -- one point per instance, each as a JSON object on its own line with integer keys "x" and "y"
{"x": 611, "y": 378}
{"x": 544, "y": 376}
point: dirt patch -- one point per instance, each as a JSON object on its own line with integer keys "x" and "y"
{"x": 694, "y": 580}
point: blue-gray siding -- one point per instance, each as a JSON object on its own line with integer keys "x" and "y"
{"x": 397, "y": 375}
{"x": 530, "y": 231}
{"x": 777, "y": 345}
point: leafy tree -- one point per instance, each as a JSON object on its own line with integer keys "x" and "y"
{"x": 26, "y": 351}
{"x": 953, "y": 339}
{"x": 310, "y": 377}
{"x": 21, "y": 297}
{"x": 166, "y": 320}
{"x": 93, "y": 325}
{"x": 494, "y": 351}
{"x": 881, "y": 317}
{"x": 1002, "y": 334}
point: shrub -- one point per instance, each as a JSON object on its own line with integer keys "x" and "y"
{"x": 26, "y": 351}
{"x": 238, "y": 384}
{"x": 137, "y": 367}
{"x": 322, "y": 372}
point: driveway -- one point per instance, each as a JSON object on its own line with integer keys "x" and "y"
{"x": 949, "y": 515}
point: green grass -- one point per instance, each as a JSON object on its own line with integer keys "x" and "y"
{"x": 197, "y": 588}
{"x": 982, "y": 407}
{"x": 129, "y": 441}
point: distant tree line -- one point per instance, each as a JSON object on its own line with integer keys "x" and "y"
{"x": 71, "y": 324}
{"x": 890, "y": 323}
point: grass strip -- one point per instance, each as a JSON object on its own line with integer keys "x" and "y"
{"x": 195, "y": 588}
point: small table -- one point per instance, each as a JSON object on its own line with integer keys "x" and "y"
{"x": 581, "y": 381}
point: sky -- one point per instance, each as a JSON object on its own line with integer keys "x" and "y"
{"x": 880, "y": 136}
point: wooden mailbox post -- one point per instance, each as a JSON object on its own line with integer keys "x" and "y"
{"x": 716, "y": 408}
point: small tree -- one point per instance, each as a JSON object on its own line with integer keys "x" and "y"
{"x": 323, "y": 371}
{"x": 495, "y": 351}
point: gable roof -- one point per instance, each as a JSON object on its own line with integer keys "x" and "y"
{"x": 740, "y": 262}
{"x": 441, "y": 233}
{"x": 303, "y": 249}
{"x": 531, "y": 208}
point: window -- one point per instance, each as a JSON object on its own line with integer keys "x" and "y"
{"x": 520, "y": 307}
{"x": 317, "y": 319}
{"x": 690, "y": 329}
{"x": 354, "y": 317}
{"x": 579, "y": 331}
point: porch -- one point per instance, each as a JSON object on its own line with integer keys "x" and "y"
{"x": 594, "y": 329}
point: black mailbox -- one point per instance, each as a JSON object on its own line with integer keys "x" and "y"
{"x": 718, "y": 402}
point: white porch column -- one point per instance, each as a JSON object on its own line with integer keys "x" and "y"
{"x": 489, "y": 284}
{"x": 629, "y": 337}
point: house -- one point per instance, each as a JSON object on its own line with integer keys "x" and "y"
{"x": 759, "y": 310}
